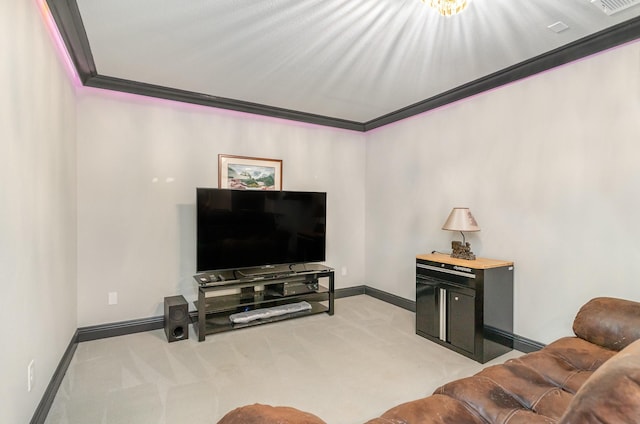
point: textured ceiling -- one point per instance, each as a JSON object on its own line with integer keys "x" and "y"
{"x": 355, "y": 61}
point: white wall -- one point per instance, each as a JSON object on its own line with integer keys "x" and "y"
{"x": 37, "y": 208}
{"x": 549, "y": 167}
{"x": 546, "y": 164}
{"x": 136, "y": 237}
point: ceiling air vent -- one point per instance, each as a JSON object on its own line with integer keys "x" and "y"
{"x": 614, "y": 6}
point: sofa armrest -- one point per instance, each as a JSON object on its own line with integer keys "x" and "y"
{"x": 266, "y": 414}
{"x": 609, "y": 322}
{"x": 610, "y": 395}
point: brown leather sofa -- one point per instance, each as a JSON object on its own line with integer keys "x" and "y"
{"x": 592, "y": 378}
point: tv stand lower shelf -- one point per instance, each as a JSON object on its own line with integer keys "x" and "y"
{"x": 217, "y": 301}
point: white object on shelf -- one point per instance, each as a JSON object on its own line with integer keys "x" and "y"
{"x": 248, "y": 316}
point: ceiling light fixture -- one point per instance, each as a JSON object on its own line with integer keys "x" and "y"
{"x": 448, "y": 7}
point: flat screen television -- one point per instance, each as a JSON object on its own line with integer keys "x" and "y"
{"x": 253, "y": 228}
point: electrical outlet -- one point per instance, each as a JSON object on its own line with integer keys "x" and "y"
{"x": 344, "y": 271}
{"x": 113, "y": 298}
{"x": 31, "y": 375}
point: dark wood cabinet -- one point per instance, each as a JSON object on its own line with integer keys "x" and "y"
{"x": 464, "y": 305}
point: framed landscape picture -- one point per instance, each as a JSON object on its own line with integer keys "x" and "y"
{"x": 245, "y": 173}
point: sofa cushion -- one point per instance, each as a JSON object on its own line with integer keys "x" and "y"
{"x": 568, "y": 362}
{"x": 530, "y": 389}
{"x": 612, "y": 394}
{"x": 436, "y": 409}
{"x": 265, "y": 414}
{"x": 491, "y": 401}
{"x": 608, "y": 322}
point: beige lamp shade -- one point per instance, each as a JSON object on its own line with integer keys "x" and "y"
{"x": 460, "y": 219}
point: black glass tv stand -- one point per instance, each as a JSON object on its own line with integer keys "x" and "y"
{"x": 222, "y": 293}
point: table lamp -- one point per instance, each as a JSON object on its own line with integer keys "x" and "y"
{"x": 460, "y": 219}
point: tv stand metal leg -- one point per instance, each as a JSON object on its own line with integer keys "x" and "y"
{"x": 202, "y": 316}
{"x": 331, "y": 293}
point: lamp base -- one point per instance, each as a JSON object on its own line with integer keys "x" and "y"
{"x": 462, "y": 251}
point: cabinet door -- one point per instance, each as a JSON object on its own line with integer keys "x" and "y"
{"x": 461, "y": 320}
{"x": 427, "y": 308}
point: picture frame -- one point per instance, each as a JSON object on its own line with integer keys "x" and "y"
{"x": 248, "y": 173}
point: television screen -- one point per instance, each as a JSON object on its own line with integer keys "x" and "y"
{"x": 251, "y": 228}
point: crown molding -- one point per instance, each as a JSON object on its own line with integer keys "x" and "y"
{"x": 67, "y": 17}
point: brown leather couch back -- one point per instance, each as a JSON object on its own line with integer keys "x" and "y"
{"x": 608, "y": 322}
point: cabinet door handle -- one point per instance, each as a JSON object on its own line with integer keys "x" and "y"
{"x": 456, "y": 298}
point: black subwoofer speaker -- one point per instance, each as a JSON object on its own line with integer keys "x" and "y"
{"x": 176, "y": 318}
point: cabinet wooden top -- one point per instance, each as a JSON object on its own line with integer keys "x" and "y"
{"x": 478, "y": 263}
